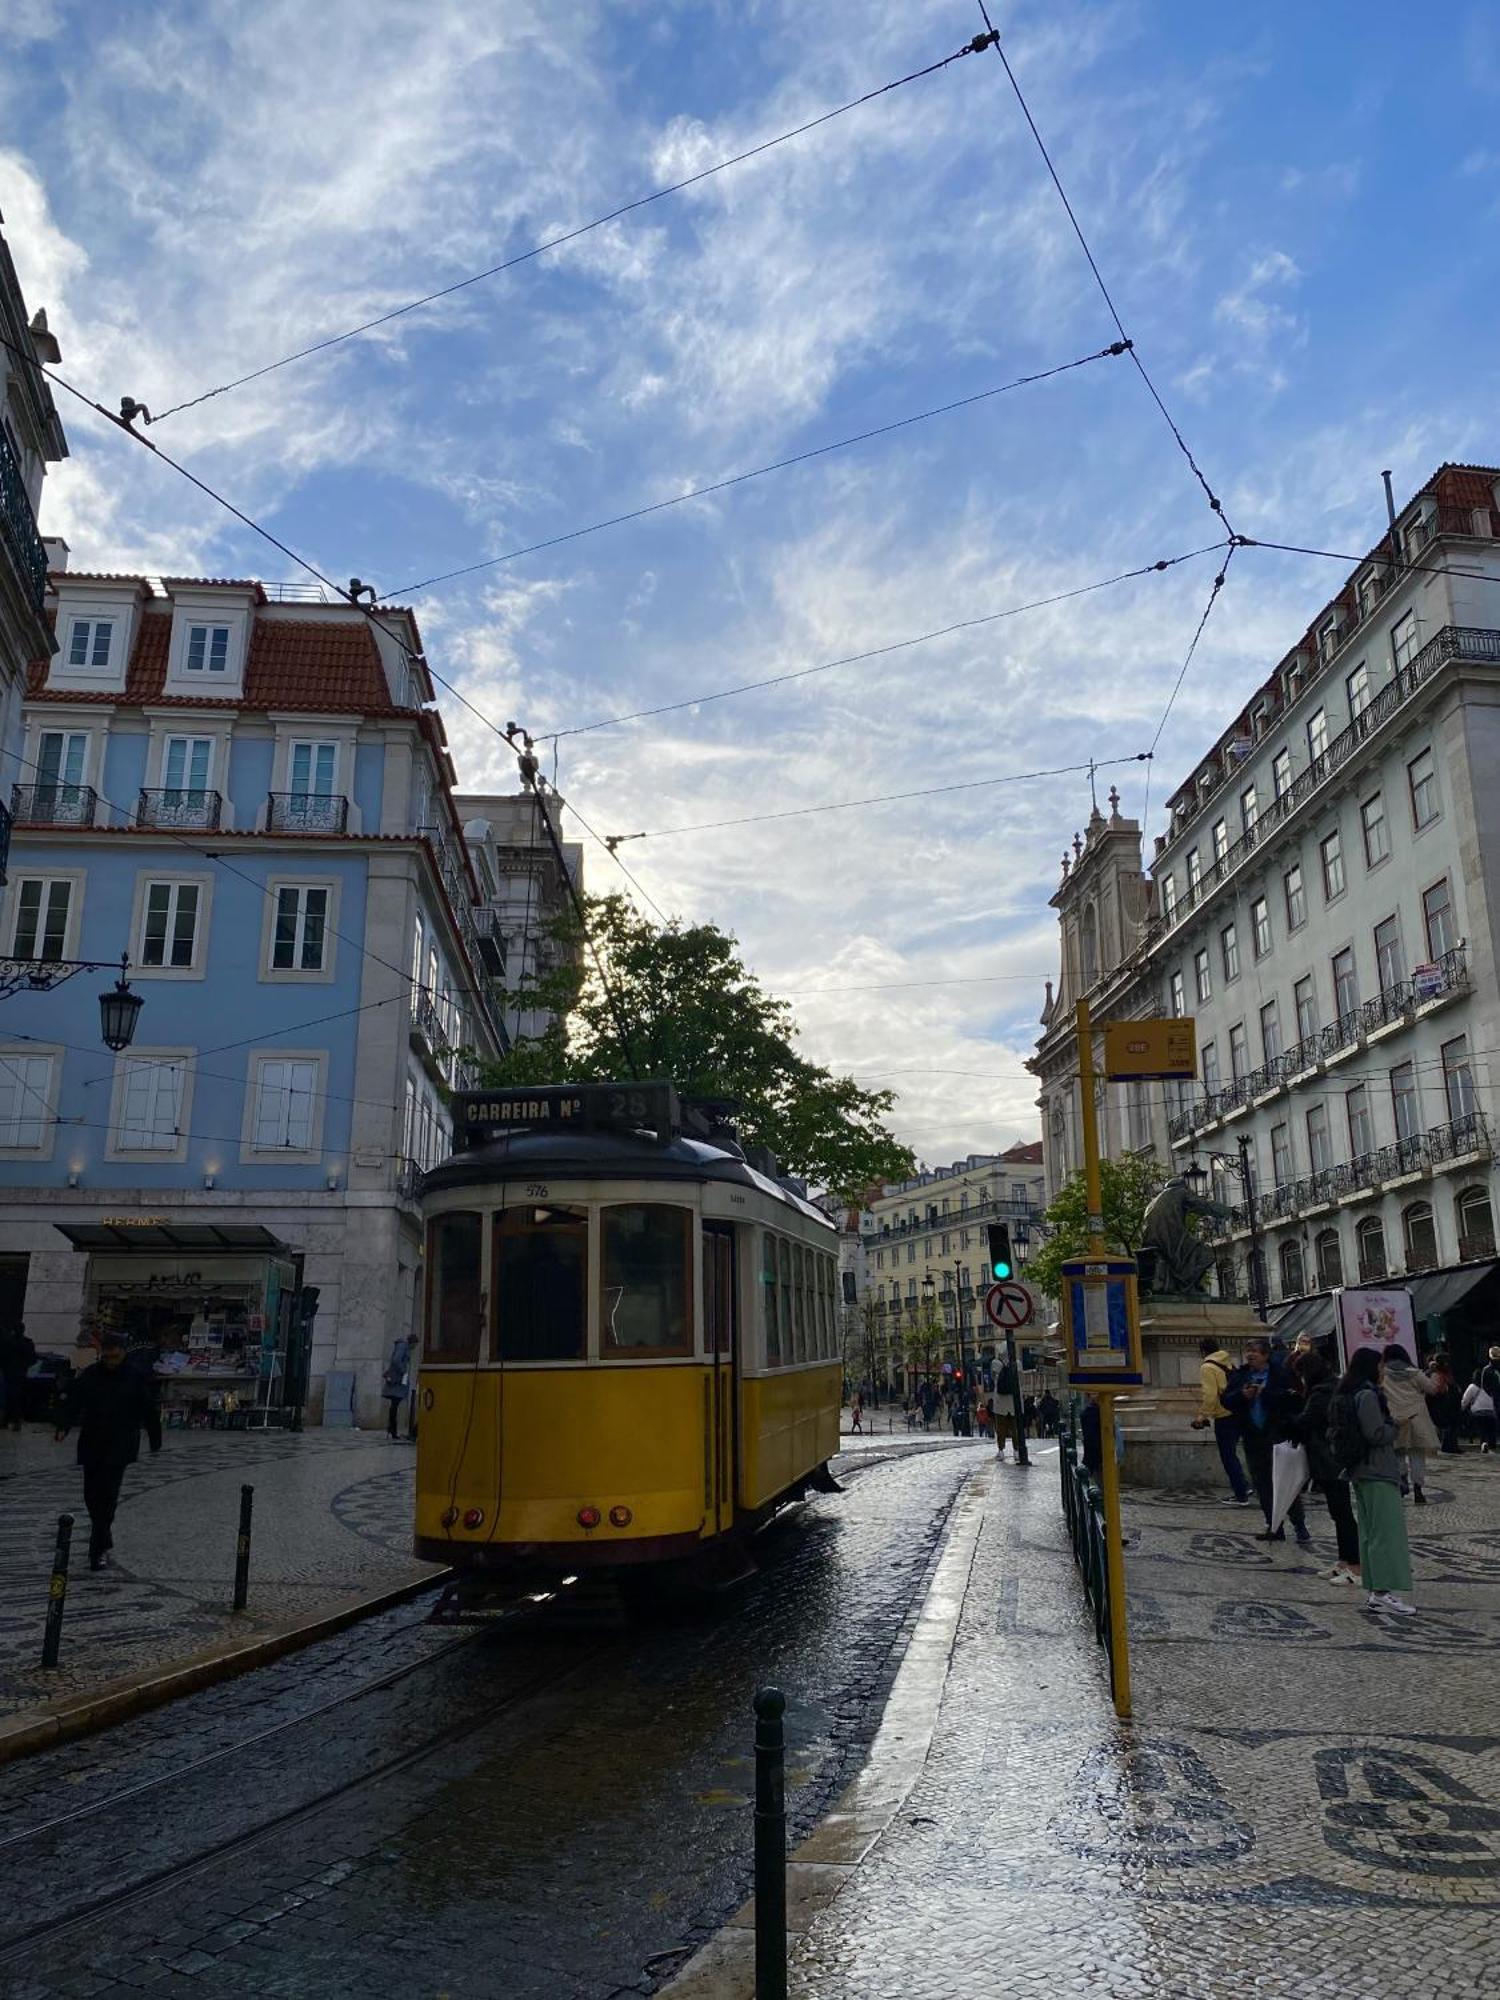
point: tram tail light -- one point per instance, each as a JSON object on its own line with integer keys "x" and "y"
{"x": 589, "y": 1517}
{"x": 620, "y": 1517}
{"x": 474, "y": 1518}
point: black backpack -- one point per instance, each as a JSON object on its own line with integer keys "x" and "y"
{"x": 1346, "y": 1441}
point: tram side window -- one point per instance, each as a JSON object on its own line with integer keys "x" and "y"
{"x": 791, "y": 1317}
{"x": 825, "y": 1321}
{"x": 541, "y": 1284}
{"x": 770, "y": 1291}
{"x": 647, "y": 1279}
{"x": 453, "y": 1249}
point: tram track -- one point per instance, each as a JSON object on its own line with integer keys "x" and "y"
{"x": 552, "y": 1672}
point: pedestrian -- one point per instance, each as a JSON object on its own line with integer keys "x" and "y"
{"x": 1362, "y": 1437}
{"x": 1028, "y": 1415}
{"x": 17, "y": 1352}
{"x": 1262, "y": 1397}
{"x": 983, "y": 1415}
{"x": 1003, "y": 1422}
{"x": 1316, "y": 1378}
{"x": 1214, "y": 1371}
{"x": 857, "y": 1414}
{"x": 1050, "y": 1411}
{"x": 1406, "y": 1393}
{"x": 393, "y": 1386}
{"x": 1479, "y": 1405}
{"x": 110, "y": 1405}
{"x": 1443, "y": 1405}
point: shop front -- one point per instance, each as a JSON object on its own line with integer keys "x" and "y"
{"x": 211, "y": 1308}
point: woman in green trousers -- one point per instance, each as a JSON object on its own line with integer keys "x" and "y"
{"x": 1384, "y": 1556}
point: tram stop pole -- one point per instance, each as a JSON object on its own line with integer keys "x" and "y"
{"x": 57, "y": 1591}
{"x": 242, "y": 1550}
{"x": 1109, "y": 1467}
{"x": 770, "y": 1846}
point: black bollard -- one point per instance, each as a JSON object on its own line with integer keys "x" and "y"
{"x": 57, "y": 1591}
{"x": 242, "y": 1550}
{"x": 770, "y": 1847}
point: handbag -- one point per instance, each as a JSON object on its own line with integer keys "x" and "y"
{"x": 1290, "y": 1474}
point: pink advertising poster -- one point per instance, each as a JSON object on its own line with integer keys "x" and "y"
{"x": 1369, "y": 1316}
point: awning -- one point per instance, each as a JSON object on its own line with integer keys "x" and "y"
{"x": 1312, "y": 1316}
{"x": 157, "y": 1233}
{"x": 1441, "y": 1291}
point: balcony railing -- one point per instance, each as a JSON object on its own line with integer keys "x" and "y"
{"x": 408, "y": 1179}
{"x": 193, "y": 809}
{"x": 18, "y": 527}
{"x": 306, "y": 812}
{"x": 428, "y": 1022}
{"x": 54, "y": 805}
{"x": 491, "y": 942}
{"x": 1479, "y": 1245}
{"x": 1007, "y": 1209}
{"x": 1440, "y": 980}
{"x": 1458, "y": 1139}
{"x": 1453, "y": 642}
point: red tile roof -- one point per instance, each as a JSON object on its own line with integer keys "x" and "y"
{"x": 1026, "y": 1154}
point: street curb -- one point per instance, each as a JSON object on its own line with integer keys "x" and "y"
{"x": 825, "y": 1862}
{"x": 82, "y": 1715}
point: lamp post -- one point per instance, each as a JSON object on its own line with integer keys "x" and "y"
{"x": 1244, "y": 1168}
{"x": 119, "y": 1008}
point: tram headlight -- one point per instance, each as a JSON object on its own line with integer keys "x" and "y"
{"x": 620, "y": 1517}
{"x": 474, "y": 1518}
{"x": 589, "y": 1517}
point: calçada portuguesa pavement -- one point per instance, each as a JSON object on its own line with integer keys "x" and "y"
{"x": 331, "y": 1532}
{"x": 1306, "y": 1802}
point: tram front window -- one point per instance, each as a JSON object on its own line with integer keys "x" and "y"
{"x": 453, "y": 1287}
{"x": 647, "y": 1279}
{"x": 541, "y": 1267}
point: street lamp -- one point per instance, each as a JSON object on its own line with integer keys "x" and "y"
{"x": 119, "y": 1010}
{"x": 1244, "y": 1168}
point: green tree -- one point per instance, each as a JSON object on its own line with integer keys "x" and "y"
{"x": 680, "y": 1003}
{"x": 1126, "y": 1188}
{"x": 924, "y": 1340}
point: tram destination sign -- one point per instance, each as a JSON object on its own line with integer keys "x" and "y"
{"x": 483, "y": 1116}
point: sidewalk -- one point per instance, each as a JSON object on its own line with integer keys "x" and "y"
{"x": 1307, "y": 1802}
{"x": 331, "y": 1530}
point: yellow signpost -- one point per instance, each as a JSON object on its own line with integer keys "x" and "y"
{"x": 1164, "y": 1047}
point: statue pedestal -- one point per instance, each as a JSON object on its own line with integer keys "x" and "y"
{"x": 1161, "y": 1447}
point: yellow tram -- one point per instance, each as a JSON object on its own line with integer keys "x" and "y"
{"x": 631, "y": 1350}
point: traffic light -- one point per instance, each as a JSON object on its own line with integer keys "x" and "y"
{"x": 1001, "y": 1264}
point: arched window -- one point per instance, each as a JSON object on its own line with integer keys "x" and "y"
{"x": 1293, "y": 1276}
{"x": 1059, "y": 1145}
{"x": 1420, "y": 1232}
{"x": 1330, "y": 1258}
{"x": 1476, "y": 1223}
{"x": 1370, "y": 1236}
{"x": 1090, "y": 947}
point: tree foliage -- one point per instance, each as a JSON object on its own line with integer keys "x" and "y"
{"x": 1126, "y": 1188}
{"x": 681, "y": 1004}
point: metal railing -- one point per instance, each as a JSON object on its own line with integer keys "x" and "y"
{"x": 1459, "y": 1139}
{"x": 306, "y": 812}
{"x": 408, "y": 1179}
{"x": 197, "y": 809}
{"x": 18, "y": 526}
{"x": 1008, "y": 1208}
{"x": 54, "y": 805}
{"x": 1083, "y": 1511}
{"x": 429, "y": 1022}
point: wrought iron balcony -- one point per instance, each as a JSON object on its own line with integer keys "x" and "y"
{"x": 18, "y": 527}
{"x": 491, "y": 942}
{"x": 306, "y": 812}
{"x": 193, "y": 809}
{"x": 427, "y": 1022}
{"x": 408, "y": 1179}
{"x": 1459, "y": 1139}
{"x": 54, "y": 805}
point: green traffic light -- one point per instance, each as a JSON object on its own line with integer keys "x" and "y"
{"x": 1001, "y": 1270}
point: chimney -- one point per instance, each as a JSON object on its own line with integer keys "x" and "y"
{"x": 57, "y": 553}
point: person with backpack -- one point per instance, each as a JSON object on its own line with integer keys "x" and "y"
{"x": 1362, "y": 1439}
{"x": 1214, "y": 1371}
{"x": 1262, "y": 1399}
{"x": 1406, "y": 1393}
{"x": 1316, "y": 1379}
{"x": 1481, "y": 1406}
{"x": 394, "y": 1386}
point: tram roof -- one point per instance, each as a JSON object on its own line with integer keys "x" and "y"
{"x": 606, "y": 1156}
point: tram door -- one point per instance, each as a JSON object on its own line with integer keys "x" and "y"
{"x": 719, "y": 1350}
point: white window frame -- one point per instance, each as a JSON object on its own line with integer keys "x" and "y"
{"x": 124, "y": 1063}
{"x": 177, "y": 878}
{"x": 1431, "y": 779}
{"x": 229, "y": 681}
{"x": 275, "y": 975}
{"x": 209, "y": 742}
{"x": 75, "y": 877}
{"x": 89, "y": 623}
{"x": 210, "y": 629}
{"x": 47, "y": 1090}
{"x": 252, "y": 1154}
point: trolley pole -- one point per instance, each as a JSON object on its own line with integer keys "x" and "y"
{"x": 1109, "y": 1469}
{"x": 57, "y": 1591}
{"x": 242, "y": 1550}
{"x": 770, "y": 1846}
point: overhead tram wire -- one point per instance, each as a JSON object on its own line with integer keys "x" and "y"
{"x": 572, "y": 235}
{"x": 757, "y": 472}
{"x": 880, "y": 652}
{"x": 1215, "y": 589}
{"x": 992, "y": 40}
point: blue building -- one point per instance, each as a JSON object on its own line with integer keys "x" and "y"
{"x": 246, "y": 791}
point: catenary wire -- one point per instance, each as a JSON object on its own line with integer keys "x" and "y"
{"x": 993, "y": 40}
{"x": 755, "y": 472}
{"x": 1213, "y": 597}
{"x": 894, "y": 646}
{"x": 570, "y": 235}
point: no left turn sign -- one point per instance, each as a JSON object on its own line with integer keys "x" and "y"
{"x": 1009, "y": 1305}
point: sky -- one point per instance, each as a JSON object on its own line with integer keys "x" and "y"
{"x": 1294, "y": 209}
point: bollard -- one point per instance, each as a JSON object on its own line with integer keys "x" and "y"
{"x": 57, "y": 1591}
{"x": 770, "y": 1847}
{"x": 242, "y": 1550}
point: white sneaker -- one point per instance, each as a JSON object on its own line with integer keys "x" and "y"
{"x": 1339, "y": 1575}
{"x": 1389, "y": 1601}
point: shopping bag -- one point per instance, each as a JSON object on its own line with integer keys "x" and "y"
{"x": 1290, "y": 1472}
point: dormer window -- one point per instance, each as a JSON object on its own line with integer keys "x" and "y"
{"x": 207, "y": 649}
{"x": 89, "y": 643}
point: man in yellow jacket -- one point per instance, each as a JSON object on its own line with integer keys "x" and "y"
{"x": 1213, "y": 1378}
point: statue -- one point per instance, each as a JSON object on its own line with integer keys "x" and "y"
{"x": 1172, "y": 1259}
